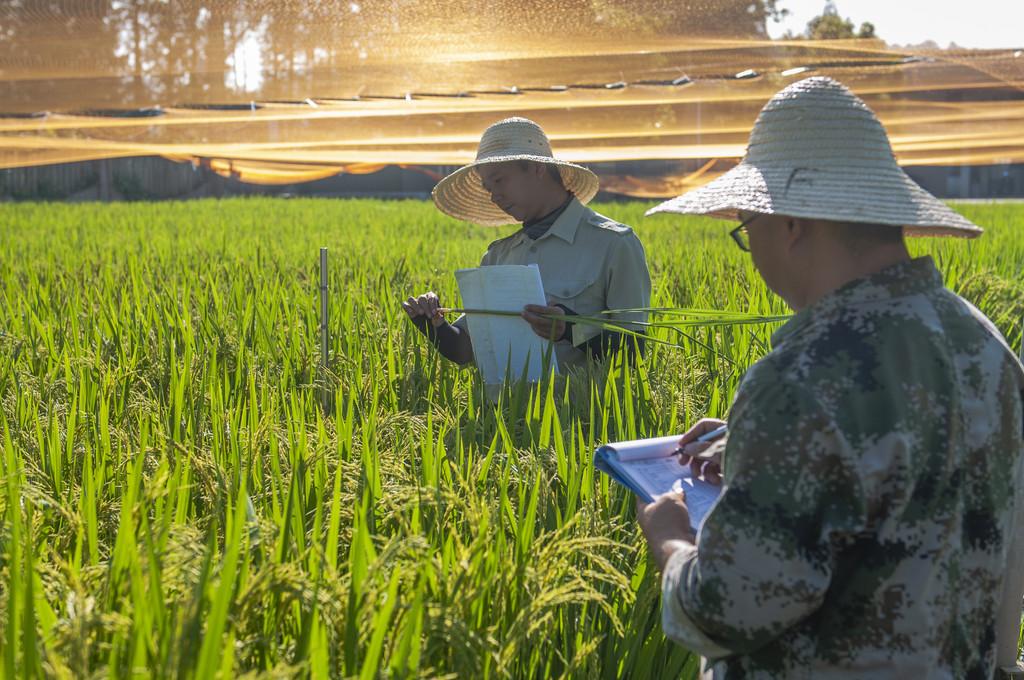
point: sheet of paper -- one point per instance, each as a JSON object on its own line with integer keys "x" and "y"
{"x": 504, "y": 344}
{"x": 649, "y": 468}
{"x": 700, "y": 497}
{"x": 656, "y": 476}
{"x": 657, "y": 447}
{"x": 659, "y": 476}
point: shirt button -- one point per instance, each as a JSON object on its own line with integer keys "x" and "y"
{"x": 565, "y": 293}
{"x": 533, "y": 249}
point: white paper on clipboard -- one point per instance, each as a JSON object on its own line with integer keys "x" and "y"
{"x": 504, "y": 343}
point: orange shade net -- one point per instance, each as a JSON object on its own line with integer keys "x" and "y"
{"x": 277, "y": 92}
{"x": 269, "y": 173}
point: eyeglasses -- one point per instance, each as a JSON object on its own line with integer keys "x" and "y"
{"x": 740, "y": 235}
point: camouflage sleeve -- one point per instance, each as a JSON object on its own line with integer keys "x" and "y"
{"x": 764, "y": 554}
{"x": 1008, "y": 613}
{"x": 676, "y": 624}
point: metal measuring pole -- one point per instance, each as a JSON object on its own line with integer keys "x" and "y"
{"x": 323, "y": 330}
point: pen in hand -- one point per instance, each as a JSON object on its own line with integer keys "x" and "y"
{"x": 698, "y": 466}
{"x": 711, "y": 436}
{"x": 716, "y": 433}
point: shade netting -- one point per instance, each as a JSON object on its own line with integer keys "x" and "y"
{"x": 279, "y": 91}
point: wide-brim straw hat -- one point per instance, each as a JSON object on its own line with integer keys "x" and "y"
{"x": 818, "y": 152}
{"x": 462, "y": 195}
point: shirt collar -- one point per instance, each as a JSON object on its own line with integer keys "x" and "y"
{"x": 538, "y": 228}
{"x": 568, "y": 223}
{"x": 900, "y": 280}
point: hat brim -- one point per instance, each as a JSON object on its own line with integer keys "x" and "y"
{"x": 462, "y": 194}
{"x": 885, "y": 197}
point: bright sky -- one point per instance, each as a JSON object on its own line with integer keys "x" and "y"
{"x": 968, "y": 23}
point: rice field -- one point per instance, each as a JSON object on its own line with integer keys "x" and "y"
{"x": 176, "y": 503}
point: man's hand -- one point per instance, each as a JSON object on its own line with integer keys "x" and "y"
{"x": 549, "y": 329}
{"x": 427, "y": 305}
{"x": 666, "y": 526}
{"x": 704, "y": 461}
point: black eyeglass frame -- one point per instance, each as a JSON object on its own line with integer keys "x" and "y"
{"x": 735, "y": 234}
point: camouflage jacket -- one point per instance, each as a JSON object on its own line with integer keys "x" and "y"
{"x": 868, "y": 485}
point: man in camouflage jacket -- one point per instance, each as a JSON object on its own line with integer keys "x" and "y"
{"x": 871, "y": 471}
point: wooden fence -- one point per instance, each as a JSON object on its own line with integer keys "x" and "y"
{"x": 148, "y": 177}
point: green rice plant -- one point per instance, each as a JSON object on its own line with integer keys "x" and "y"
{"x": 176, "y": 502}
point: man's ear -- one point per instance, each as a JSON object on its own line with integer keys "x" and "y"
{"x": 796, "y": 232}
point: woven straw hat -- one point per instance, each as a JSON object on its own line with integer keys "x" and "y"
{"x": 818, "y": 152}
{"x": 462, "y": 195}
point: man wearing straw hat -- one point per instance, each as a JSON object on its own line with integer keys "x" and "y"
{"x": 588, "y": 263}
{"x": 871, "y": 471}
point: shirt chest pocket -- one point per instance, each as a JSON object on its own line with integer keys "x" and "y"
{"x": 582, "y": 293}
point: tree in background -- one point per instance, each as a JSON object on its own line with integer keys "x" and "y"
{"x": 722, "y": 18}
{"x": 831, "y": 26}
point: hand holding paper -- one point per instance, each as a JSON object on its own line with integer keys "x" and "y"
{"x": 650, "y": 468}
{"x": 543, "y": 326}
{"x": 666, "y": 524}
{"x": 504, "y": 344}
